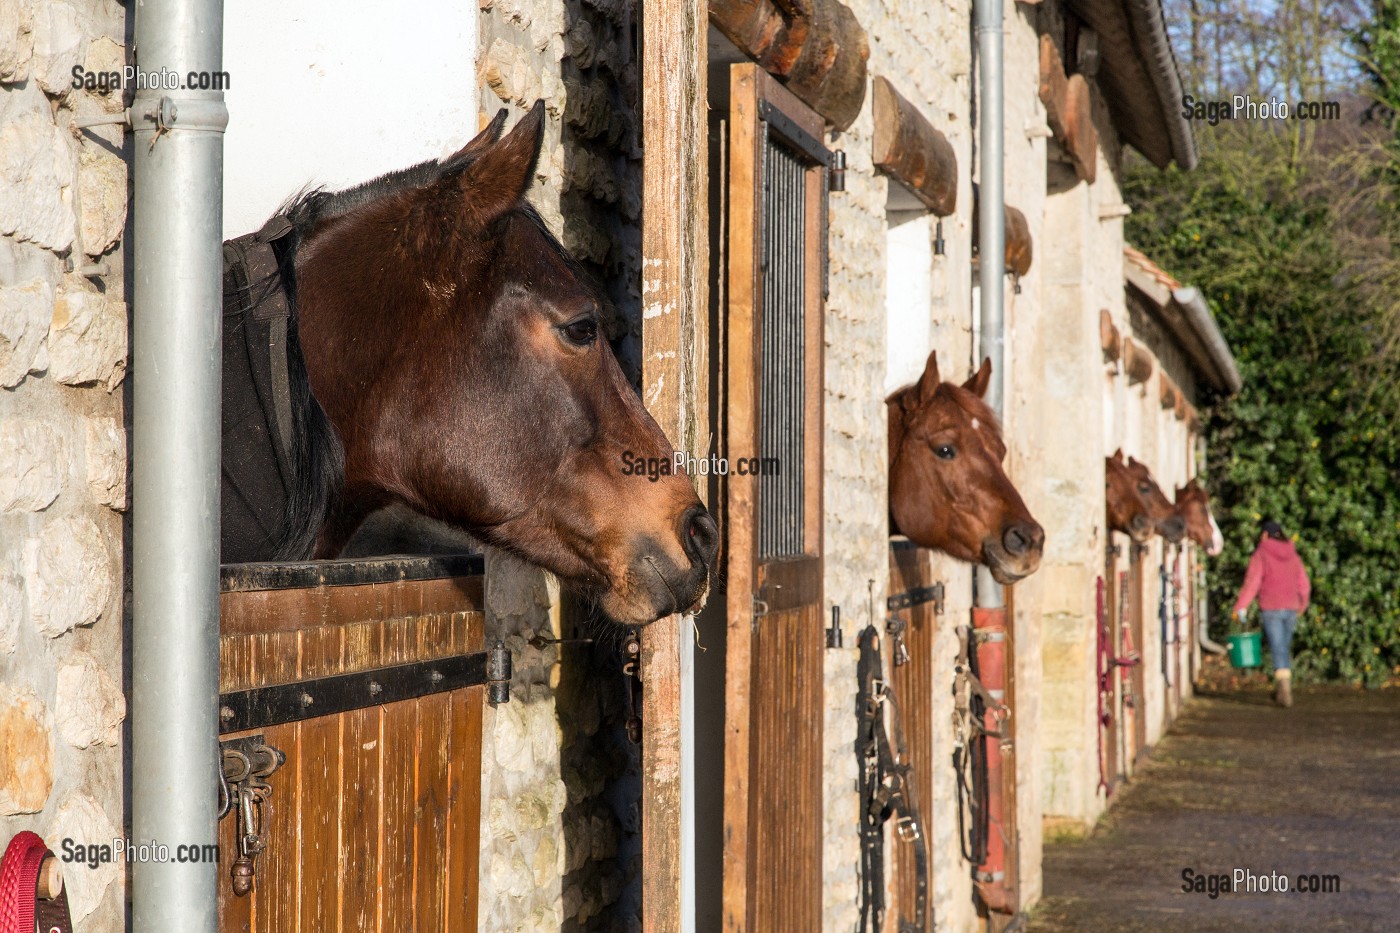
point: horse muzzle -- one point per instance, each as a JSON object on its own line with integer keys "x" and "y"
{"x": 660, "y": 585}
{"x": 1016, "y": 554}
{"x": 1173, "y": 528}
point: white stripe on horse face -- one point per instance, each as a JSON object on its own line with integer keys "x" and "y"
{"x": 1217, "y": 540}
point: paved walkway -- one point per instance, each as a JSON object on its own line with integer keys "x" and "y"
{"x": 1241, "y": 784}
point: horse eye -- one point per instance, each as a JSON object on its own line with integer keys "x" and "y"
{"x": 1144, "y": 489}
{"x": 581, "y": 332}
{"x": 945, "y": 452}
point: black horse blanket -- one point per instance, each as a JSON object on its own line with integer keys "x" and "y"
{"x": 258, "y": 426}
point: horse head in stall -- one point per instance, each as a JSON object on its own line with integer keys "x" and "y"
{"x": 1128, "y": 511}
{"x": 948, "y": 490}
{"x": 1165, "y": 521}
{"x": 1193, "y": 505}
{"x": 452, "y": 351}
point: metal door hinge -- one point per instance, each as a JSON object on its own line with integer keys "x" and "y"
{"x": 498, "y": 673}
{"x": 833, "y": 634}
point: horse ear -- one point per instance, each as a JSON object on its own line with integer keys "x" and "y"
{"x": 930, "y": 380}
{"x": 479, "y": 144}
{"x": 1118, "y": 455}
{"x": 494, "y": 182}
{"x": 977, "y": 383}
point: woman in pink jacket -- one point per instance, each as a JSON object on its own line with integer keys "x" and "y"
{"x": 1277, "y": 577}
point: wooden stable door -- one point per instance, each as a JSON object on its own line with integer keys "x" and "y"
{"x": 773, "y": 667}
{"x": 369, "y": 677}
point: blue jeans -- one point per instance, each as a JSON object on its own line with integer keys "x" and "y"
{"x": 1278, "y": 629}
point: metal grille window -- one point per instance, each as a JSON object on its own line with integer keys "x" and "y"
{"x": 782, "y": 350}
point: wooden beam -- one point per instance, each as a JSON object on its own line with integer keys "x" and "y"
{"x": 1018, "y": 242}
{"x": 1169, "y": 393}
{"x": 815, "y": 47}
{"x": 1069, "y": 110}
{"x": 1019, "y": 252}
{"x": 1109, "y": 338}
{"x": 674, "y": 285}
{"x": 1137, "y": 362}
{"x": 908, "y": 148}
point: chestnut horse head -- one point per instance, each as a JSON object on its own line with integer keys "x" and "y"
{"x": 947, "y": 487}
{"x": 1193, "y": 505}
{"x": 1165, "y": 521}
{"x": 456, "y": 351}
{"x": 1128, "y": 511}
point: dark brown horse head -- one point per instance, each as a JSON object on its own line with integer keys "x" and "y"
{"x": 1165, "y": 521}
{"x": 1193, "y": 505}
{"x": 1128, "y": 511}
{"x": 947, "y": 486}
{"x": 456, "y": 349}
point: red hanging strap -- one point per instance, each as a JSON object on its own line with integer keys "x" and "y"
{"x": 22, "y": 909}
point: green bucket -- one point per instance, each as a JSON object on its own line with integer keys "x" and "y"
{"x": 1245, "y": 649}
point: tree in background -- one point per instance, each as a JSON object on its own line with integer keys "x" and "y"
{"x": 1291, "y": 232}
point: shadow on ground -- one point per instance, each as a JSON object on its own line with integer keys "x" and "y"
{"x": 1241, "y": 784}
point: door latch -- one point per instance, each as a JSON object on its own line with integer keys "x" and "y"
{"x": 244, "y": 767}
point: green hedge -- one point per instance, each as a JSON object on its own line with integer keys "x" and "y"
{"x": 1300, "y": 281}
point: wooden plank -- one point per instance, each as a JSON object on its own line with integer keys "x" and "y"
{"x": 277, "y": 889}
{"x": 908, "y": 148}
{"x": 675, "y": 280}
{"x": 431, "y": 787}
{"x": 464, "y": 810}
{"x": 361, "y": 812}
{"x": 743, "y": 291}
{"x": 321, "y": 785}
{"x": 916, "y": 695}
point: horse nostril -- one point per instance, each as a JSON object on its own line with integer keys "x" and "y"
{"x": 1140, "y": 523}
{"x": 1021, "y": 537}
{"x": 700, "y": 536}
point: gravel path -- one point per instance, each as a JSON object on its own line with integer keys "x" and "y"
{"x": 1241, "y": 784}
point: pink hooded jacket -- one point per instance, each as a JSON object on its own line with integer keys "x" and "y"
{"x": 1277, "y": 577}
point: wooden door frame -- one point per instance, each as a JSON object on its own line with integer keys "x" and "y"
{"x": 750, "y": 87}
{"x": 675, "y": 302}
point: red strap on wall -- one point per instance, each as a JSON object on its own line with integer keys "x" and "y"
{"x": 21, "y": 907}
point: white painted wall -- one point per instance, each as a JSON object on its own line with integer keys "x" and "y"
{"x": 908, "y": 297}
{"x": 330, "y": 93}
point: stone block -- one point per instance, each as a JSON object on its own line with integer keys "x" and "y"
{"x": 33, "y": 463}
{"x": 101, "y": 200}
{"x": 59, "y": 44}
{"x": 16, "y": 40}
{"x": 106, "y": 462}
{"x": 23, "y": 326}
{"x": 105, "y": 55}
{"x": 70, "y": 573}
{"x": 11, "y": 609}
{"x": 26, "y": 752}
{"x": 89, "y": 708}
{"x": 83, "y": 820}
{"x": 36, "y": 173}
{"x": 87, "y": 340}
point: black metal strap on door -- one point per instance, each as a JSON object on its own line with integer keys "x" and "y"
{"x": 885, "y": 790}
{"x": 263, "y": 707}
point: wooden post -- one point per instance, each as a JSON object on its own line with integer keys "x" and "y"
{"x": 675, "y": 272}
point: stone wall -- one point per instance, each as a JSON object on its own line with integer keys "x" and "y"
{"x": 560, "y": 818}
{"x": 63, "y": 440}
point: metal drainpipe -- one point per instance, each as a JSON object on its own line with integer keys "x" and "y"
{"x": 991, "y": 226}
{"x": 177, "y": 297}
